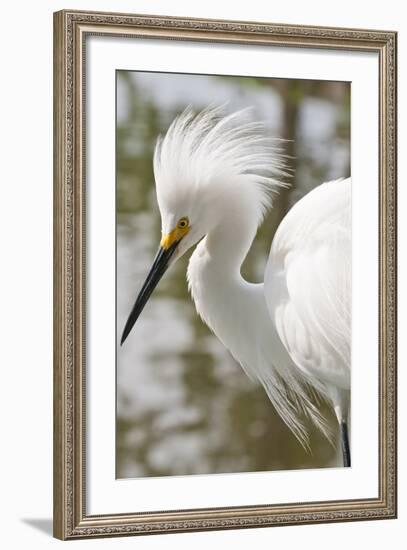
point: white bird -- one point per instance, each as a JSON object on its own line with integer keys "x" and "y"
{"x": 215, "y": 179}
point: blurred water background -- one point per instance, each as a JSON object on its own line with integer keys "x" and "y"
{"x": 184, "y": 406}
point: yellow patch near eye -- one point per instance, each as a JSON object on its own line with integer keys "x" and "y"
{"x": 175, "y": 235}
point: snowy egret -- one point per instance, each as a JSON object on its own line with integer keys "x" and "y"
{"x": 215, "y": 178}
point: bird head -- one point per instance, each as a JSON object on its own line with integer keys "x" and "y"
{"x": 204, "y": 161}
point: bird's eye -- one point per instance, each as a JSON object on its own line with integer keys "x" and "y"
{"x": 183, "y": 223}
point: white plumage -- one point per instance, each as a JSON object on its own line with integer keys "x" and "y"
{"x": 291, "y": 333}
{"x": 308, "y": 289}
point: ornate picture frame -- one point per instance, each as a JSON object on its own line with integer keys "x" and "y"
{"x": 71, "y": 31}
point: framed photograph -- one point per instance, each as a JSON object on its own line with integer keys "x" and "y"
{"x": 225, "y": 274}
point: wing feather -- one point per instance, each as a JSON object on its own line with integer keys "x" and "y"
{"x": 308, "y": 286}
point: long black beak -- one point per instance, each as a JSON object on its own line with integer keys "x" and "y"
{"x": 157, "y": 270}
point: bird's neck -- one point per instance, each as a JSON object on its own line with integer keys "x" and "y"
{"x": 228, "y": 243}
{"x": 214, "y": 278}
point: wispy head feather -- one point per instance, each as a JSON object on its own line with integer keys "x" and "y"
{"x": 211, "y": 150}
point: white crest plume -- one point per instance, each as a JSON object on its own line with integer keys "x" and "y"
{"x": 212, "y": 149}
